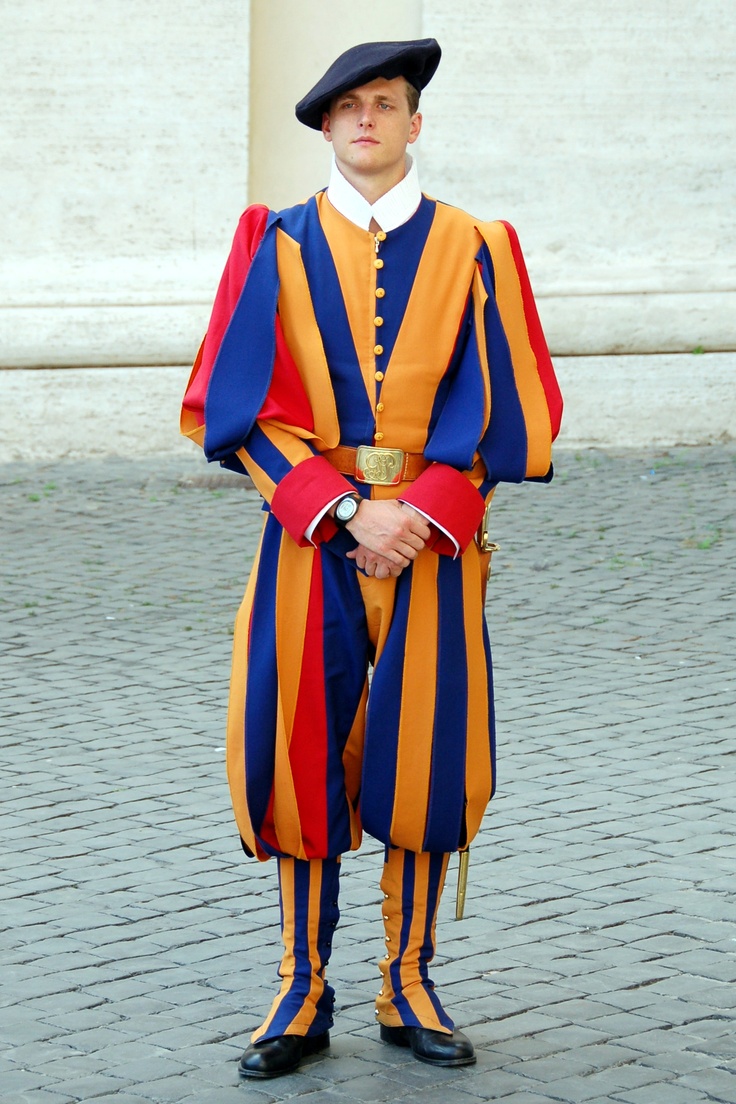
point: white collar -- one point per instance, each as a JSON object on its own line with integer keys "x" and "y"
{"x": 390, "y": 211}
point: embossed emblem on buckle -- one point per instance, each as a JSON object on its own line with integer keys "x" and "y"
{"x": 379, "y": 465}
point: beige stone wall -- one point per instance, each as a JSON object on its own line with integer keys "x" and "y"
{"x": 605, "y": 133}
{"x": 123, "y": 165}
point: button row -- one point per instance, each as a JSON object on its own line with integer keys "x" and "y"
{"x": 378, "y": 322}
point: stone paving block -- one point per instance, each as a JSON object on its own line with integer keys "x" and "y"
{"x": 500, "y": 1084}
{"x": 236, "y": 1095}
{"x": 21, "y": 1080}
{"x": 87, "y": 1088}
{"x": 665, "y": 1094}
{"x": 576, "y": 1088}
{"x": 680, "y": 1062}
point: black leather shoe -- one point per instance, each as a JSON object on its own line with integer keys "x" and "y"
{"x": 434, "y": 1047}
{"x": 279, "y": 1055}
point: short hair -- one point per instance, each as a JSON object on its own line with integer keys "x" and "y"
{"x": 412, "y": 96}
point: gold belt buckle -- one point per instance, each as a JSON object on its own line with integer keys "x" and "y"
{"x": 379, "y": 465}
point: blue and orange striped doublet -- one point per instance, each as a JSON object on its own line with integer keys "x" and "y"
{"x": 424, "y": 339}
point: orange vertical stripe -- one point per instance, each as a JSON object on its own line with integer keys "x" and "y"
{"x": 292, "y": 598}
{"x": 303, "y": 338}
{"x": 235, "y": 741}
{"x": 416, "y": 725}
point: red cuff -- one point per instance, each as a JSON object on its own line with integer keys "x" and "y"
{"x": 451, "y": 500}
{"x": 302, "y": 494}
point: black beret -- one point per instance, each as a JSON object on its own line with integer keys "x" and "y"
{"x": 415, "y": 60}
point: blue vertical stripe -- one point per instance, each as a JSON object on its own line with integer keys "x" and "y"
{"x": 261, "y": 696}
{"x": 241, "y": 374}
{"x": 382, "y": 720}
{"x": 447, "y": 780}
{"x": 345, "y": 654}
{"x": 401, "y": 254}
{"x": 459, "y": 425}
{"x": 504, "y": 444}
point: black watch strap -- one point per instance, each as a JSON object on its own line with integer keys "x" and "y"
{"x": 346, "y": 509}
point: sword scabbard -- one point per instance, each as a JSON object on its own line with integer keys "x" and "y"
{"x": 462, "y": 883}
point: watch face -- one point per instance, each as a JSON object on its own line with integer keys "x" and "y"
{"x": 346, "y": 509}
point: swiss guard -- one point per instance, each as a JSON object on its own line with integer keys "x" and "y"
{"x": 376, "y": 365}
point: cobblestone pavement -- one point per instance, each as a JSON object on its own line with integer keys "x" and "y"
{"x": 596, "y": 959}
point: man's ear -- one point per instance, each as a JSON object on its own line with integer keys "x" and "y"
{"x": 414, "y": 127}
{"x": 326, "y": 131}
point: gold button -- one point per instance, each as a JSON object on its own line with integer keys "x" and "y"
{"x": 378, "y": 321}
{"x": 381, "y": 235}
{"x": 379, "y": 437}
{"x": 380, "y": 292}
{"x": 378, "y": 349}
{"x": 379, "y": 407}
{"x": 379, "y": 375}
{"x": 378, "y": 263}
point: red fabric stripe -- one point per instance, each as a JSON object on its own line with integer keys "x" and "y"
{"x": 245, "y": 243}
{"x": 286, "y": 400}
{"x": 308, "y": 747}
{"x": 301, "y": 495}
{"x": 267, "y": 831}
{"x": 536, "y": 335}
{"x": 451, "y": 500}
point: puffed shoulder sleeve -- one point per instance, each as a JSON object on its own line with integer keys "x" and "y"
{"x": 247, "y": 238}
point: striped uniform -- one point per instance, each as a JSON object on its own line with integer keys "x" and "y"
{"x": 425, "y": 339}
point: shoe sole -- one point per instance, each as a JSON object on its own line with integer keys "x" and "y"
{"x": 470, "y": 1061}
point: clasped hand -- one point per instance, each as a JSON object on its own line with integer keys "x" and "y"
{"x": 390, "y": 535}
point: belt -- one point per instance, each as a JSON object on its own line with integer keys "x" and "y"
{"x": 369, "y": 464}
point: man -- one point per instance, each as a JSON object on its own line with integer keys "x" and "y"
{"x": 375, "y": 363}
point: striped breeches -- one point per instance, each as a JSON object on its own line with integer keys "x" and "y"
{"x": 316, "y": 750}
{"x": 412, "y": 886}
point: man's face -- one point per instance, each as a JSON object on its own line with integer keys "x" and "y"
{"x": 370, "y": 128}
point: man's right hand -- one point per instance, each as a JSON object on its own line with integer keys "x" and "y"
{"x": 385, "y": 527}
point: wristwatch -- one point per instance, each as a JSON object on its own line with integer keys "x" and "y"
{"x": 346, "y": 509}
